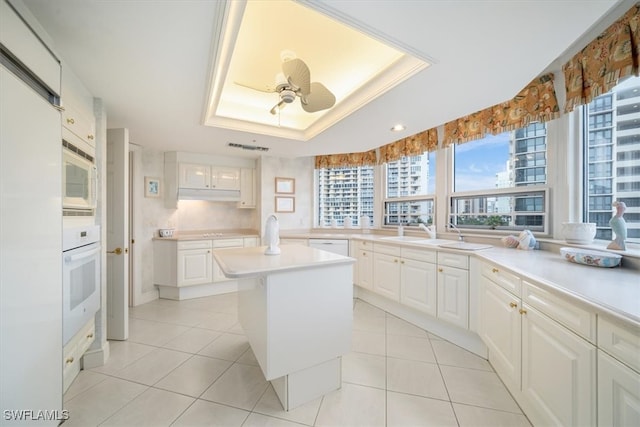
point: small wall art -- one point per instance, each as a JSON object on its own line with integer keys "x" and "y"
{"x": 285, "y": 185}
{"x": 285, "y": 204}
{"x": 151, "y": 187}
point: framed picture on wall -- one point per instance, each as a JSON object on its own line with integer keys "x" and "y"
{"x": 285, "y": 185}
{"x": 285, "y": 204}
{"x": 151, "y": 187}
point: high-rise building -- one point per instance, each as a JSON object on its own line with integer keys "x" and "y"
{"x": 613, "y": 158}
{"x": 408, "y": 176}
{"x": 345, "y": 192}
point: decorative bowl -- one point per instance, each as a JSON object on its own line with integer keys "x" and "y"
{"x": 589, "y": 257}
{"x": 581, "y": 233}
{"x": 166, "y": 232}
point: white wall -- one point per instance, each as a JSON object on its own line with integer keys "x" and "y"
{"x": 301, "y": 169}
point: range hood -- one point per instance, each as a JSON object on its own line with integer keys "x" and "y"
{"x": 211, "y": 195}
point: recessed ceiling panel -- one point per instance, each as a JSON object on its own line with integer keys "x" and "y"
{"x": 354, "y": 67}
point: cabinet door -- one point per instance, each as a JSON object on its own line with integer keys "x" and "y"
{"x": 386, "y": 275}
{"x": 194, "y": 267}
{"x": 223, "y": 178}
{"x": 453, "y": 296}
{"x": 247, "y": 189}
{"x": 365, "y": 269}
{"x": 192, "y": 175}
{"x": 618, "y": 393}
{"x": 500, "y": 322}
{"x": 418, "y": 285}
{"x": 558, "y": 373}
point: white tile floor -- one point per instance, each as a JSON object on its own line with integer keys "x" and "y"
{"x": 187, "y": 363}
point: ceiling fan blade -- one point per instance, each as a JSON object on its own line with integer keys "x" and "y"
{"x": 298, "y": 75}
{"x": 260, "y": 88}
{"x": 319, "y": 98}
{"x": 279, "y": 106}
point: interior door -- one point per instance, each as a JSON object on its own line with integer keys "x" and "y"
{"x": 117, "y": 234}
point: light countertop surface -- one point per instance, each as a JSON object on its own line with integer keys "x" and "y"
{"x": 248, "y": 262}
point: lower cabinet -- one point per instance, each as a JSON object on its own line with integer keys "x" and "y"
{"x": 364, "y": 265}
{"x": 194, "y": 263}
{"x": 218, "y": 275}
{"x": 558, "y": 373}
{"x": 453, "y": 288}
{"x": 386, "y": 275}
{"x": 618, "y": 393}
{"x": 418, "y": 285}
{"x": 73, "y": 352}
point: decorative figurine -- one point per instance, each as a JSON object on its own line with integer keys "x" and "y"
{"x": 272, "y": 236}
{"x": 619, "y": 227}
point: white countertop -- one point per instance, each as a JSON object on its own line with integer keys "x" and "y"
{"x": 249, "y": 262}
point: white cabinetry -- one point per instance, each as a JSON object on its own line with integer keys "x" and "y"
{"x": 73, "y": 352}
{"x": 194, "y": 263}
{"x": 386, "y": 271}
{"x": 77, "y": 117}
{"x": 618, "y": 373}
{"x": 201, "y": 177}
{"x": 186, "y": 269}
{"x": 539, "y": 345}
{"x": 418, "y": 278}
{"x": 364, "y": 264}
{"x": 247, "y": 189}
{"x": 453, "y": 288}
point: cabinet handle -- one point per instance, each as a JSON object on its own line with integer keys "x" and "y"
{"x": 513, "y": 304}
{"x": 69, "y": 360}
{"x": 70, "y": 121}
{"x": 440, "y": 270}
{"x": 395, "y": 260}
{"x": 89, "y": 336}
{"x": 364, "y": 254}
{"x": 401, "y": 262}
{"x": 523, "y": 311}
{"x": 90, "y": 137}
{"x": 495, "y": 270}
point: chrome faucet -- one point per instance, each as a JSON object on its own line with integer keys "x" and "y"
{"x": 460, "y": 236}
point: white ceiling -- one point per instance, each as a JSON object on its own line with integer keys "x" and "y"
{"x": 149, "y": 60}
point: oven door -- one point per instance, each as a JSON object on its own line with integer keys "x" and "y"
{"x": 79, "y": 182}
{"x": 81, "y": 288}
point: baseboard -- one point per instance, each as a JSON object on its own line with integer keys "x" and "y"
{"x": 97, "y": 357}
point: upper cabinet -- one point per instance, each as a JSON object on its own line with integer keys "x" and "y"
{"x": 215, "y": 178}
{"x": 78, "y": 119}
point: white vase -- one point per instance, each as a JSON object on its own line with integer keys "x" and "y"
{"x": 581, "y": 233}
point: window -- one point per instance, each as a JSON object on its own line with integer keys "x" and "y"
{"x": 344, "y": 192}
{"x": 612, "y": 151}
{"x": 410, "y": 185}
{"x": 494, "y": 181}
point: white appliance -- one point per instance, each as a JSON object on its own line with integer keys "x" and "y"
{"x": 336, "y": 246}
{"x": 79, "y": 181}
{"x": 80, "y": 278}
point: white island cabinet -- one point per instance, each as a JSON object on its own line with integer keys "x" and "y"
{"x": 296, "y": 310}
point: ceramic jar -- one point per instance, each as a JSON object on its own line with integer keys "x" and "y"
{"x": 581, "y": 233}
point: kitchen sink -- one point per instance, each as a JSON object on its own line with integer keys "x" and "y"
{"x": 465, "y": 246}
{"x": 402, "y": 238}
{"x": 432, "y": 242}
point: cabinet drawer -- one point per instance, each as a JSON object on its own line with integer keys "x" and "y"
{"x": 386, "y": 249}
{"x": 622, "y": 342}
{"x": 303, "y": 242}
{"x": 365, "y": 245}
{"x": 507, "y": 280}
{"x": 566, "y": 313}
{"x": 453, "y": 260}
{"x": 228, "y": 243}
{"x": 419, "y": 254}
{"x": 194, "y": 244}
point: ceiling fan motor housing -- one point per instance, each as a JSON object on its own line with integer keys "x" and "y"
{"x": 288, "y": 96}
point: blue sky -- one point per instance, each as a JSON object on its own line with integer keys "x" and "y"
{"x": 477, "y": 162}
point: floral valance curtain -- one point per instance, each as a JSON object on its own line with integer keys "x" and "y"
{"x": 597, "y": 68}
{"x": 410, "y": 146}
{"x": 537, "y": 102}
{"x": 367, "y": 158}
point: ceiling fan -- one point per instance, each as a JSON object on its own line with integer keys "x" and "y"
{"x": 295, "y": 81}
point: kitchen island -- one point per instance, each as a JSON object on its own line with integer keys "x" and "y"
{"x": 296, "y": 309}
